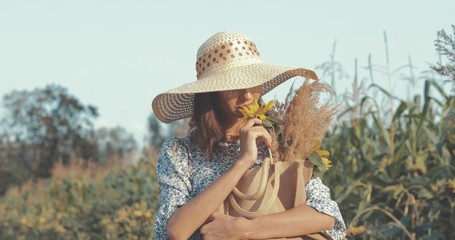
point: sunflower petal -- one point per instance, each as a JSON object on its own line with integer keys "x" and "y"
{"x": 256, "y": 110}
{"x": 269, "y": 106}
{"x": 245, "y": 112}
{"x": 322, "y": 152}
{"x": 262, "y": 117}
{"x": 327, "y": 163}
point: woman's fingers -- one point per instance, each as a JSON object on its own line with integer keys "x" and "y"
{"x": 260, "y": 133}
{"x": 254, "y": 125}
{"x": 252, "y": 122}
{"x": 250, "y": 133}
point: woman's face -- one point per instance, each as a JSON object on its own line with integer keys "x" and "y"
{"x": 230, "y": 102}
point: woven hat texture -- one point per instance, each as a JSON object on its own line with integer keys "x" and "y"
{"x": 226, "y": 61}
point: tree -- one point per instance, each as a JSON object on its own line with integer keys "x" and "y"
{"x": 44, "y": 125}
{"x": 114, "y": 143}
{"x": 155, "y": 129}
{"x": 159, "y": 133}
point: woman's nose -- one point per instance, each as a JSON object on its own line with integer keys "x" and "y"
{"x": 247, "y": 95}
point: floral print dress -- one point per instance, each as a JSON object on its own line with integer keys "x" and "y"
{"x": 184, "y": 172}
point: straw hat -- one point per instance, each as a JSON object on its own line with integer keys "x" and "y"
{"x": 226, "y": 61}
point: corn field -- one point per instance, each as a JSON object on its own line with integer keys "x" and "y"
{"x": 394, "y": 178}
{"x": 393, "y": 175}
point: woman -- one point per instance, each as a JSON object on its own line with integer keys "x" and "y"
{"x": 197, "y": 173}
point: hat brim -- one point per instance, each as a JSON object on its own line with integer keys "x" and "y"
{"x": 178, "y": 103}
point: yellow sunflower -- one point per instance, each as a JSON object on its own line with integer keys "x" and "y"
{"x": 256, "y": 110}
{"x": 324, "y": 154}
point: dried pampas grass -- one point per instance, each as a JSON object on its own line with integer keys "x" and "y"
{"x": 305, "y": 122}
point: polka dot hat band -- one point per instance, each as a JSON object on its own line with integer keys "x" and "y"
{"x": 226, "y": 61}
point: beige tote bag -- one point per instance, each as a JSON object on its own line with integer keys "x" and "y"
{"x": 273, "y": 187}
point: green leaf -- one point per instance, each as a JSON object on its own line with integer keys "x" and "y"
{"x": 274, "y": 119}
{"x": 267, "y": 123}
{"x": 403, "y": 106}
{"x": 316, "y": 160}
{"x": 383, "y": 133}
{"x": 374, "y": 85}
{"x": 424, "y": 193}
{"x": 379, "y": 180}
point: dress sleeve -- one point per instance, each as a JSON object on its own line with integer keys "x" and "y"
{"x": 173, "y": 171}
{"x": 318, "y": 197}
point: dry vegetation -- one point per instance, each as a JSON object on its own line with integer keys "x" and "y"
{"x": 393, "y": 173}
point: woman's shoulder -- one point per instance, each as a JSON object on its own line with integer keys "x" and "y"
{"x": 176, "y": 145}
{"x": 174, "y": 153}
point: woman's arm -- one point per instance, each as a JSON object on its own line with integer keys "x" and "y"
{"x": 318, "y": 197}
{"x": 189, "y": 217}
{"x": 319, "y": 214}
{"x": 297, "y": 221}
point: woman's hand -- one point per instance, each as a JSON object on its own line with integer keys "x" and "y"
{"x": 251, "y": 132}
{"x": 222, "y": 226}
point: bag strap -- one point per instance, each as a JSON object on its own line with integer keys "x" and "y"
{"x": 262, "y": 185}
{"x": 260, "y": 211}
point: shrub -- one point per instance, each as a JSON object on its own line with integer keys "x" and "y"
{"x": 120, "y": 205}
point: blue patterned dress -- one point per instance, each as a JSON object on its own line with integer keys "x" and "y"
{"x": 184, "y": 172}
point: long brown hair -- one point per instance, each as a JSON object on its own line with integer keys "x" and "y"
{"x": 205, "y": 127}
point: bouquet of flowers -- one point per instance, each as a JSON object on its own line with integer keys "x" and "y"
{"x": 298, "y": 125}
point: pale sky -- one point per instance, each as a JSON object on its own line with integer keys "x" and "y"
{"x": 118, "y": 55}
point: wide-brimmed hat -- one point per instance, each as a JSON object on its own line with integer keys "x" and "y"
{"x": 226, "y": 61}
